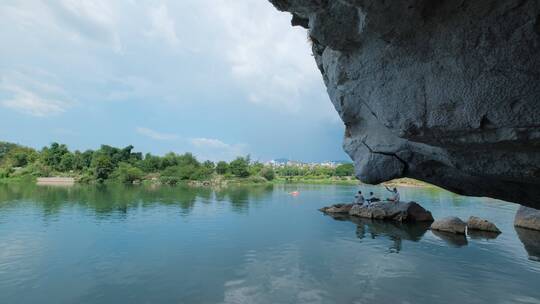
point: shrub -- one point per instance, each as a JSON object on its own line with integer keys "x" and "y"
{"x": 268, "y": 173}
{"x": 127, "y": 173}
{"x": 4, "y": 172}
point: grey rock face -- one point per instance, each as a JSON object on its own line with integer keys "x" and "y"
{"x": 401, "y": 212}
{"x": 527, "y": 218}
{"x": 449, "y": 224}
{"x": 337, "y": 209}
{"x": 447, "y": 92}
{"x": 476, "y": 223}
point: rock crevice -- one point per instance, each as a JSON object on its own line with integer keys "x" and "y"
{"x": 447, "y": 92}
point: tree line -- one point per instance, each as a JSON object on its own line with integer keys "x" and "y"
{"x": 124, "y": 165}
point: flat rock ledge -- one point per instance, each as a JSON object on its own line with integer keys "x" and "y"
{"x": 400, "y": 212}
{"x": 450, "y": 224}
{"x": 527, "y": 218}
{"x": 476, "y": 223}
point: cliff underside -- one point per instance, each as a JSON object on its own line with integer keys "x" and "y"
{"x": 446, "y": 92}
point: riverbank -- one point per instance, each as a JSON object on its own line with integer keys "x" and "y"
{"x": 220, "y": 181}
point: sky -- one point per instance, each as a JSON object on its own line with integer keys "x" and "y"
{"x": 218, "y": 78}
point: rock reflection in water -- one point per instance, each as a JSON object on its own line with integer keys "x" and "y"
{"x": 531, "y": 242}
{"x": 395, "y": 231}
{"x": 452, "y": 239}
{"x": 482, "y": 235}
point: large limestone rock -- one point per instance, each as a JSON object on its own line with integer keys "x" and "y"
{"x": 449, "y": 224}
{"x": 476, "y": 223}
{"x": 337, "y": 209}
{"x": 401, "y": 212}
{"x": 442, "y": 91}
{"x": 527, "y": 218}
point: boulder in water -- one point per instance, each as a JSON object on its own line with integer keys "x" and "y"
{"x": 337, "y": 209}
{"x": 401, "y": 212}
{"x": 527, "y": 218}
{"x": 449, "y": 224}
{"x": 476, "y": 223}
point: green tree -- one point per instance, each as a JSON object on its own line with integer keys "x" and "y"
{"x": 175, "y": 174}
{"x": 209, "y": 165}
{"x": 187, "y": 159}
{"x": 345, "y": 170}
{"x": 240, "y": 167}
{"x": 255, "y": 168}
{"x": 268, "y": 173}
{"x": 102, "y": 167}
{"x": 66, "y": 162}
{"x": 127, "y": 173}
{"x": 5, "y": 148}
{"x": 170, "y": 159}
{"x": 151, "y": 163}
{"x": 222, "y": 167}
{"x": 20, "y": 157}
{"x": 52, "y": 156}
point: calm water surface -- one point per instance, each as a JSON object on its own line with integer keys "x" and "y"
{"x": 251, "y": 245}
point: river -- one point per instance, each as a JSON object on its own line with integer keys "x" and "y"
{"x": 115, "y": 244}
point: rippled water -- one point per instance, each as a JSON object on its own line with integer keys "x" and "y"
{"x": 251, "y": 245}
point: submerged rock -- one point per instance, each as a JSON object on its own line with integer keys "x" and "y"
{"x": 450, "y": 224}
{"x": 441, "y": 91}
{"x": 476, "y": 223}
{"x": 527, "y": 218}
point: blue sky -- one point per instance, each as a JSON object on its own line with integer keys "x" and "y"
{"x": 219, "y": 78}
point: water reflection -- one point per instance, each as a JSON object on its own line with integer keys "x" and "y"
{"x": 452, "y": 239}
{"x": 531, "y": 242}
{"x": 394, "y": 231}
{"x": 482, "y": 235}
{"x": 119, "y": 200}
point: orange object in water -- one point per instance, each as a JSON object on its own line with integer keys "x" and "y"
{"x": 295, "y": 193}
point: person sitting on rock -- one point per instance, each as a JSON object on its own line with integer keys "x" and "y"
{"x": 359, "y": 198}
{"x": 395, "y": 195}
{"x": 372, "y": 198}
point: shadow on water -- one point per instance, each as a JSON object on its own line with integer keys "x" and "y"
{"x": 394, "y": 231}
{"x": 482, "y": 235}
{"x": 452, "y": 239}
{"x": 531, "y": 242}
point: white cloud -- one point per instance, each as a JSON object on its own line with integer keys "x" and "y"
{"x": 24, "y": 94}
{"x": 208, "y": 143}
{"x": 163, "y": 26}
{"x": 29, "y": 103}
{"x": 94, "y": 20}
{"x": 215, "y": 149}
{"x": 155, "y": 134}
{"x": 270, "y": 59}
